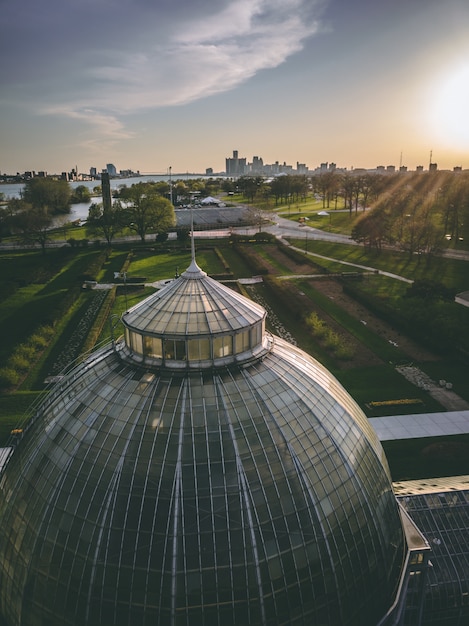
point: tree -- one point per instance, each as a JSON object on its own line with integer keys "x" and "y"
{"x": 249, "y": 186}
{"x": 33, "y": 225}
{"x": 80, "y": 194}
{"x": 106, "y": 223}
{"x": 47, "y": 192}
{"x": 7, "y": 214}
{"x": 146, "y": 210}
{"x": 348, "y": 186}
{"x": 183, "y": 234}
{"x": 371, "y": 229}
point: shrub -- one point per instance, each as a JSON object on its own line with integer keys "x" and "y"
{"x": 331, "y": 340}
{"x": 316, "y": 325}
{"x": 19, "y": 363}
{"x": 9, "y": 378}
{"x": 344, "y": 352}
{"x": 26, "y": 351}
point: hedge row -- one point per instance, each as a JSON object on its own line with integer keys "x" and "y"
{"x": 26, "y": 355}
{"x": 300, "y": 257}
{"x": 101, "y": 319}
{"x": 223, "y": 261}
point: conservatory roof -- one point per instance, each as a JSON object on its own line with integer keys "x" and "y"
{"x": 193, "y": 305}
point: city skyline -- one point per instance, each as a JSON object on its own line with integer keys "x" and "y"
{"x": 181, "y": 85}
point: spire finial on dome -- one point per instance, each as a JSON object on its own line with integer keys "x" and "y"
{"x": 192, "y": 236}
{"x": 193, "y": 270}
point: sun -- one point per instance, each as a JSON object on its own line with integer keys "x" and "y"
{"x": 449, "y": 108}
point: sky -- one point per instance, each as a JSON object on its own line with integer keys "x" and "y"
{"x": 154, "y": 85}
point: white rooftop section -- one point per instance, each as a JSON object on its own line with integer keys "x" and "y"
{"x": 421, "y": 425}
{"x": 431, "y": 485}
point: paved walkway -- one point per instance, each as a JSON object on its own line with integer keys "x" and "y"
{"x": 421, "y": 425}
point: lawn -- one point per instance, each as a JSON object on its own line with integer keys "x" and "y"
{"x": 435, "y": 457}
{"x": 450, "y": 272}
{"x": 155, "y": 266}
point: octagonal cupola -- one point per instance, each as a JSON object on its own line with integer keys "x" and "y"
{"x": 195, "y": 322}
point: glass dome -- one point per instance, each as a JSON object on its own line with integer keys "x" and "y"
{"x": 194, "y": 322}
{"x": 252, "y": 491}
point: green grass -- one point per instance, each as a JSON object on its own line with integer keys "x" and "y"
{"x": 338, "y": 220}
{"x": 384, "y": 383}
{"x": 450, "y": 272}
{"x": 114, "y": 263}
{"x": 264, "y": 253}
{"x": 236, "y": 262}
{"x": 163, "y": 265}
{"x": 434, "y": 457}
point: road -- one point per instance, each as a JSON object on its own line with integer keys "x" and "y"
{"x": 281, "y": 228}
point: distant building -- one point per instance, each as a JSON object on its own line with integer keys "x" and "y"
{"x": 111, "y": 169}
{"x": 257, "y": 165}
{"x": 235, "y": 166}
{"x": 93, "y": 172}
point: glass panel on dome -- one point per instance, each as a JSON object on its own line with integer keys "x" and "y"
{"x": 175, "y": 349}
{"x": 198, "y": 349}
{"x": 136, "y": 342}
{"x": 256, "y": 334}
{"x": 153, "y": 347}
{"x": 242, "y": 342}
{"x": 222, "y": 346}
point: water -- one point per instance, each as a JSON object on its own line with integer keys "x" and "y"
{"x": 13, "y": 190}
{"x": 80, "y": 211}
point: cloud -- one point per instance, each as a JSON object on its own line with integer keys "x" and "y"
{"x": 102, "y": 60}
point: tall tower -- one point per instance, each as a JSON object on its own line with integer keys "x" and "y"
{"x": 106, "y": 191}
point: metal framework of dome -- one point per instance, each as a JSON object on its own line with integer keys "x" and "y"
{"x": 227, "y": 481}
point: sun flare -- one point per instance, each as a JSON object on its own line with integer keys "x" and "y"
{"x": 449, "y": 111}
